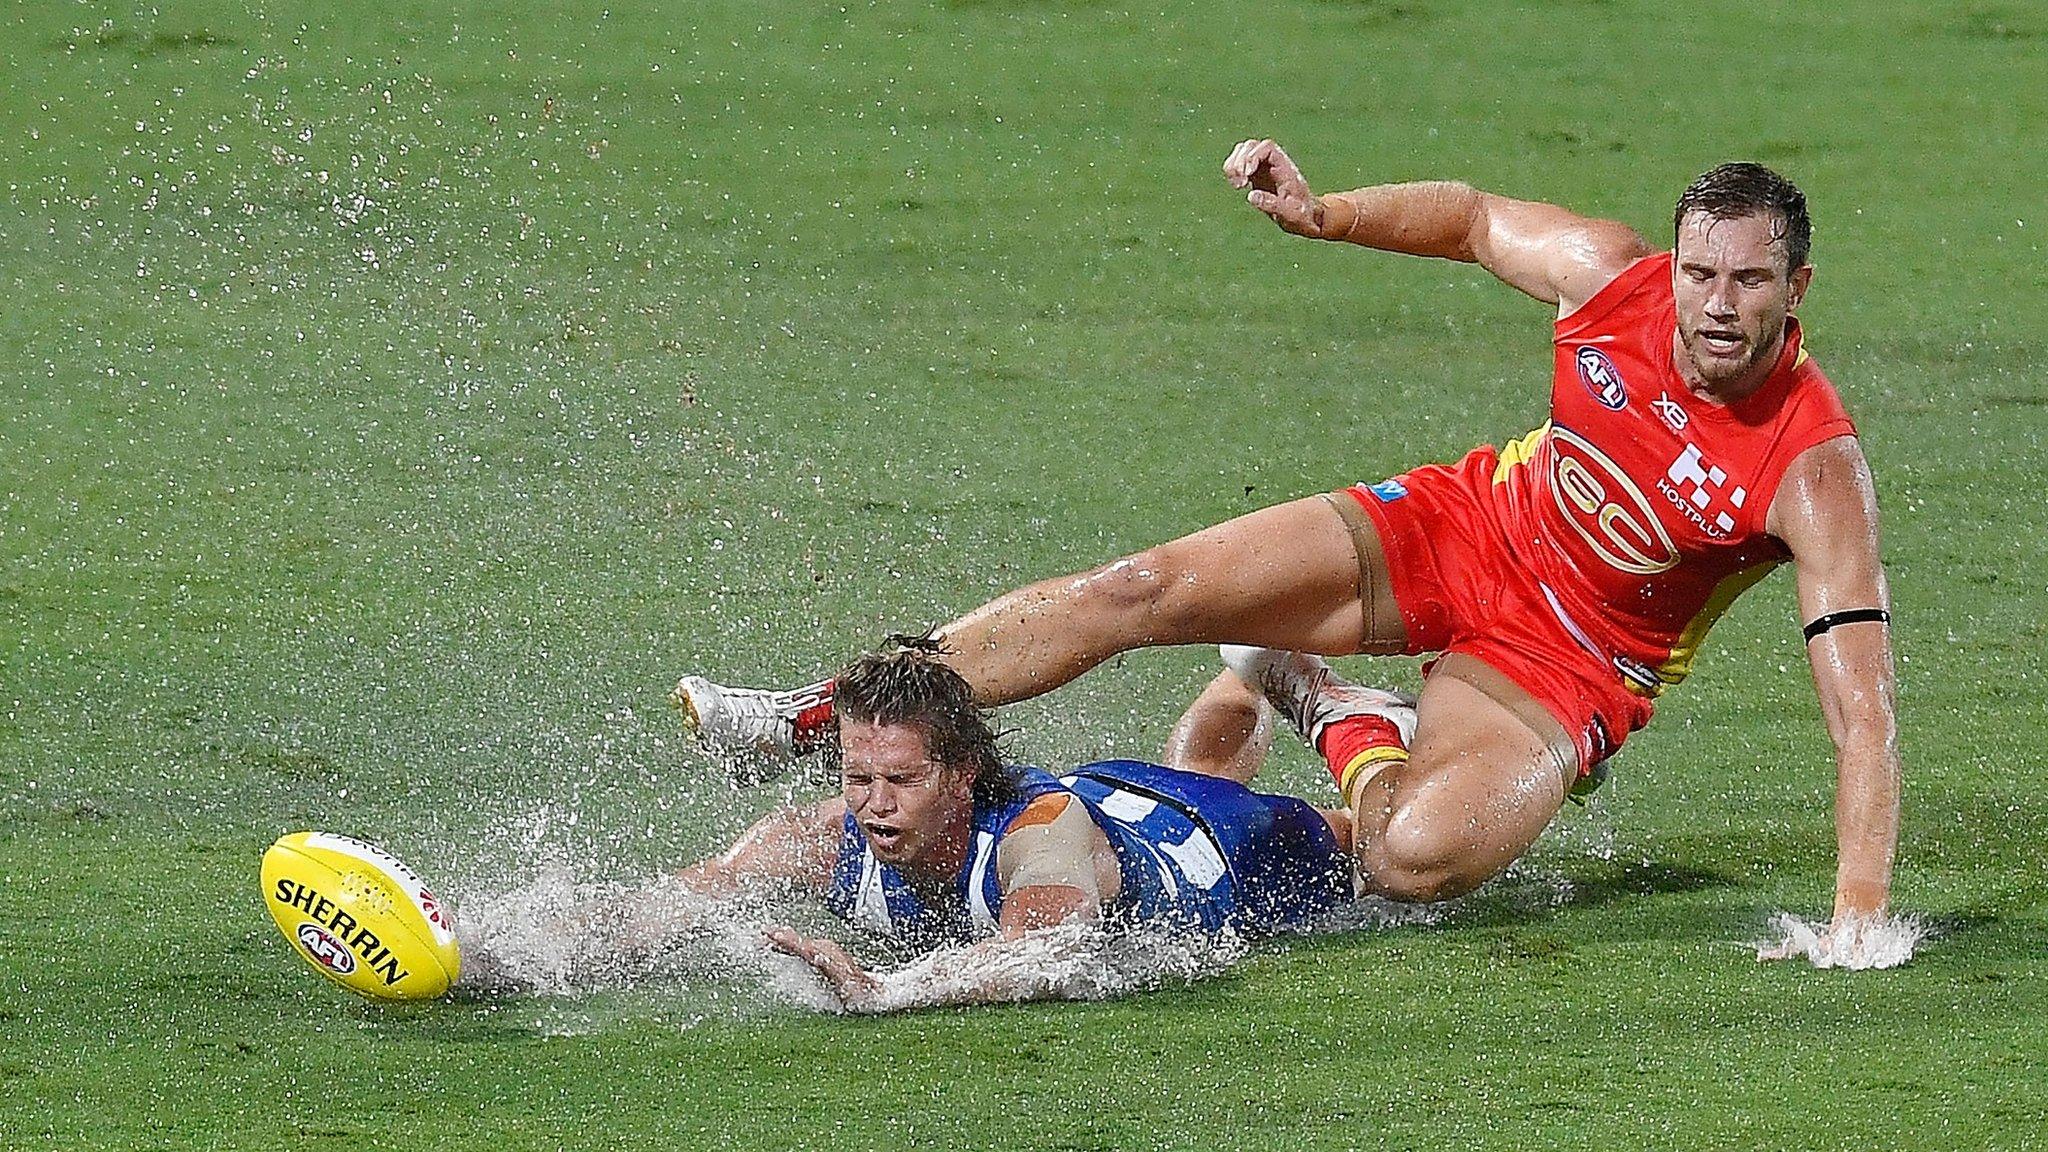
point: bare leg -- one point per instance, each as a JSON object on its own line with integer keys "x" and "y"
{"x": 1308, "y": 575}
{"x": 1481, "y": 784}
{"x": 1282, "y": 577}
{"x": 1226, "y": 732}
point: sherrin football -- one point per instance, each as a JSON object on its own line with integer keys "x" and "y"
{"x": 360, "y": 917}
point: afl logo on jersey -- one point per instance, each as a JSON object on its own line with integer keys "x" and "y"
{"x": 1606, "y": 508}
{"x": 1602, "y": 379}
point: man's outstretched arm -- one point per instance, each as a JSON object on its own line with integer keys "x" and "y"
{"x": 1826, "y": 513}
{"x": 1553, "y": 254}
{"x": 787, "y": 846}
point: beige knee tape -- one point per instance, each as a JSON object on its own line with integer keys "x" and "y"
{"x": 1373, "y": 600}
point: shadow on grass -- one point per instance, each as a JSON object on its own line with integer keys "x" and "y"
{"x": 1536, "y": 900}
{"x": 1517, "y": 897}
{"x": 154, "y": 45}
{"x": 1989, "y": 935}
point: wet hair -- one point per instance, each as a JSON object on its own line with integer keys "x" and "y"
{"x": 905, "y": 684}
{"x": 1732, "y": 191}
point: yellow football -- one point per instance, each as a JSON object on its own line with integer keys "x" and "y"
{"x": 360, "y": 917}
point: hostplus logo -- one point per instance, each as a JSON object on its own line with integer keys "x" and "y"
{"x": 1700, "y": 492}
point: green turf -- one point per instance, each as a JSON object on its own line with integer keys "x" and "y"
{"x": 396, "y": 400}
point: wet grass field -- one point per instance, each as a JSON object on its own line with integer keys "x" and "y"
{"x": 397, "y": 399}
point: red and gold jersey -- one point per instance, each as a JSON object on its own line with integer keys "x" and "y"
{"x": 1639, "y": 507}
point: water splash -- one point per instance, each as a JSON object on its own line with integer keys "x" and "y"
{"x": 559, "y": 936}
{"x": 558, "y": 939}
{"x": 1877, "y": 942}
{"x": 1064, "y": 962}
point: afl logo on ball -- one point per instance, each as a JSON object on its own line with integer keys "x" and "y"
{"x": 326, "y": 950}
{"x": 1602, "y": 379}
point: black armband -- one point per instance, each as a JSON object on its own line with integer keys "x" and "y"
{"x": 1852, "y": 616}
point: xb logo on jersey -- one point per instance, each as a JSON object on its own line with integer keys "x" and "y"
{"x": 1693, "y": 485}
{"x": 1670, "y": 411}
{"x": 1606, "y": 508}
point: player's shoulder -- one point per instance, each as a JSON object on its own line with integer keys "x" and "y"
{"x": 1621, "y": 274}
{"x": 1051, "y": 829}
{"x": 1811, "y": 382}
{"x": 1041, "y": 809}
{"x": 1826, "y": 498}
{"x": 1812, "y": 411}
{"x": 1831, "y": 460}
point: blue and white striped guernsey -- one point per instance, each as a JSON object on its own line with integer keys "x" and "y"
{"x": 1193, "y": 851}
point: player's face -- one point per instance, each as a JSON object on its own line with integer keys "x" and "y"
{"x": 1734, "y": 290}
{"x": 909, "y": 806}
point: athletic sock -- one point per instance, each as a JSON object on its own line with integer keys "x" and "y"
{"x": 815, "y": 716}
{"x": 1356, "y": 744}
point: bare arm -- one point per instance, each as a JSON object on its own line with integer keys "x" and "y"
{"x": 1056, "y": 869}
{"x": 792, "y": 846}
{"x": 1555, "y": 255}
{"x": 1826, "y": 512}
{"x": 547, "y": 938}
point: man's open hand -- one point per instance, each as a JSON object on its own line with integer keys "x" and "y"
{"x": 1276, "y": 186}
{"x": 851, "y": 983}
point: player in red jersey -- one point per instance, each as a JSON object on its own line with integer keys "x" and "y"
{"x": 1565, "y": 580}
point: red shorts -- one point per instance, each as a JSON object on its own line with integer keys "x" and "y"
{"x": 1460, "y": 589}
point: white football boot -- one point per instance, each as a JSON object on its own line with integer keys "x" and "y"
{"x": 754, "y": 733}
{"x": 1311, "y": 695}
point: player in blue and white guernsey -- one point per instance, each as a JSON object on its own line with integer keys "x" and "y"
{"x": 933, "y": 841}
